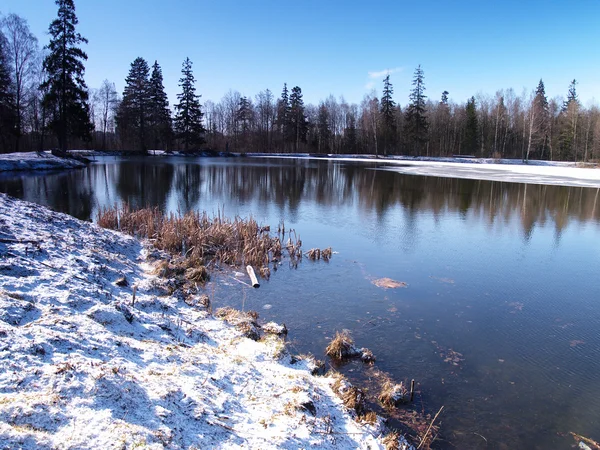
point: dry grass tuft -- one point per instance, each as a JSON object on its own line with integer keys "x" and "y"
{"x": 352, "y": 397}
{"x": 392, "y": 395}
{"x": 369, "y": 417}
{"x": 249, "y": 330}
{"x": 197, "y": 274}
{"x": 245, "y": 322}
{"x": 341, "y": 347}
{"x": 392, "y": 441}
{"x": 315, "y": 254}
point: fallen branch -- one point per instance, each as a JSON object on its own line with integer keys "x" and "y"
{"x": 428, "y": 429}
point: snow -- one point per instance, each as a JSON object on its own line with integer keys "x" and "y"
{"x": 36, "y": 161}
{"x": 84, "y": 368}
{"x": 534, "y": 172}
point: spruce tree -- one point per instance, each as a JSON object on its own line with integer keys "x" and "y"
{"x": 7, "y": 101}
{"x": 298, "y": 123}
{"x": 133, "y": 115}
{"x": 161, "y": 124}
{"x": 471, "y": 128}
{"x": 283, "y": 116}
{"x": 539, "y": 121}
{"x": 188, "y": 116}
{"x": 416, "y": 124}
{"x": 388, "y": 117}
{"x": 67, "y": 94}
{"x": 244, "y": 120}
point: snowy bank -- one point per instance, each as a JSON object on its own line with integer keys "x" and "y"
{"x": 36, "y": 161}
{"x": 515, "y": 171}
{"x": 85, "y": 367}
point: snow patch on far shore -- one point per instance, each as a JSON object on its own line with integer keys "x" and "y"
{"x": 507, "y": 170}
{"x": 83, "y": 367}
{"x": 36, "y": 161}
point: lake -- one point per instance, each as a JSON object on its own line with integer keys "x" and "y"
{"x": 499, "y": 321}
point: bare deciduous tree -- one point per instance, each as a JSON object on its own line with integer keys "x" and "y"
{"x": 22, "y": 50}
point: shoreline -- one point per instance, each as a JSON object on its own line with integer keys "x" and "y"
{"x": 25, "y": 161}
{"x": 560, "y": 173}
{"x": 89, "y": 367}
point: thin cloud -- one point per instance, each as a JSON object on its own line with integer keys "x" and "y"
{"x": 383, "y": 73}
{"x": 370, "y": 85}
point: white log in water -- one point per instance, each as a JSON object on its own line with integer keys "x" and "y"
{"x": 252, "y": 275}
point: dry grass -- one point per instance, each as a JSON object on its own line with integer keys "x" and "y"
{"x": 388, "y": 283}
{"x": 392, "y": 441}
{"x": 392, "y": 395}
{"x": 341, "y": 346}
{"x": 199, "y": 240}
{"x": 352, "y": 397}
{"x": 197, "y": 274}
{"x": 245, "y": 322}
{"x": 315, "y": 254}
{"x": 369, "y": 417}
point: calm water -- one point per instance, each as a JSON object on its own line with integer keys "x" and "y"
{"x": 505, "y": 274}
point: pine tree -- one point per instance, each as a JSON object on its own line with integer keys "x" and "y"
{"x": 7, "y": 101}
{"x": 67, "y": 94}
{"x": 298, "y": 123}
{"x": 188, "y": 117}
{"x": 388, "y": 118}
{"x": 133, "y": 116}
{"x": 417, "y": 125}
{"x": 471, "y": 128}
{"x": 161, "y": 125}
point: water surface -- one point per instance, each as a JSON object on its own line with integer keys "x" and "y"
{"x": 505, "y": 274}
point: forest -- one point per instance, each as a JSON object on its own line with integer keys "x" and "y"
{"x": 46, "y": 104}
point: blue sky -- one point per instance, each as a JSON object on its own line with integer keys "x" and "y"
{"x": 340, "y": 47}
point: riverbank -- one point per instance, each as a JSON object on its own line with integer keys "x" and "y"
{"x": 560, "y": 173}
{"x": 36, "y": 161}
{"x": 506, "y": 170}
{"x": 87, "y": 366}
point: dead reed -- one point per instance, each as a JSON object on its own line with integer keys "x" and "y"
{"x": 392, "y": 394}
{"x": 202, "y": 241}
{"x": 341, "y": 346}
{"x": 352, "y": 397}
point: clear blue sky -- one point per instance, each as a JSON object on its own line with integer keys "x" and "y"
{"x": 338, "y": 47}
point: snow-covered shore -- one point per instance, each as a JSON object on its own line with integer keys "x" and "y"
{"x": 36, "y": 161}
{"x": 83, "y": 367}
{"x": 534, "y": 172}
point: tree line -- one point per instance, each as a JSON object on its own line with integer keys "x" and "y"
{"x": 45, "y": 103}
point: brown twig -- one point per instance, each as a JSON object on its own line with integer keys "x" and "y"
{"x": 429, "y": 428}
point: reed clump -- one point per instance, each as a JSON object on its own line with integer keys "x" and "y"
{"x": 342, "y": 347}
{"x": 392, "y": 394}
{"x": 198, "y": 240}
